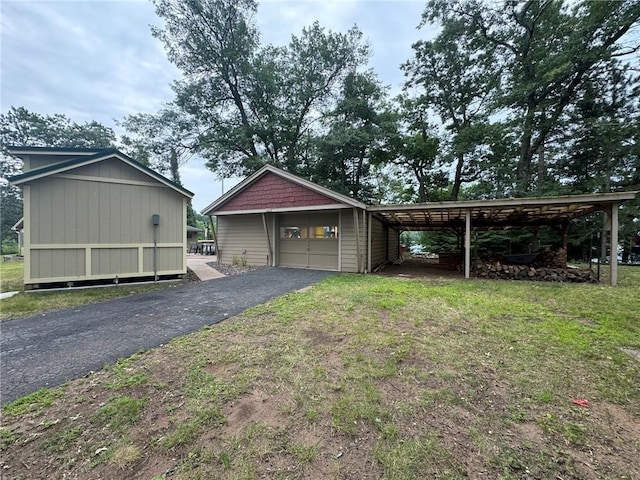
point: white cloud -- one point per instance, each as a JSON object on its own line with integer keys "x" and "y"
{"x": 203, "y": 183}
{"x": 95, "y": 59}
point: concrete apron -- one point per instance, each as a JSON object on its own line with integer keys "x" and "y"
{"x": 198, "y": 264}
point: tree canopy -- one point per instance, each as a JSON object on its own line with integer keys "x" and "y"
{"x": 546, "y": 52}
{"x": 253, "y": 104}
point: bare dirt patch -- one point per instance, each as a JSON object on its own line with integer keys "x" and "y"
{"x": 252, "y": 408}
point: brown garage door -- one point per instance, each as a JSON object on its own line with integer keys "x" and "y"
{"x": 309, "y": 241}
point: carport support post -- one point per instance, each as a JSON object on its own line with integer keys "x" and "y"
{"x": 356, "y": 223}
{"x": 467, "y": 244}
{"x": 215, "y": 237}
{"x": 266, "y": 232}
{"x": 613, "y": 255}
{"x": 369, "y": 242}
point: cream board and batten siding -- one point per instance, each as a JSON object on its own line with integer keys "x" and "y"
{"x": 31, "y": 162}
{"x": 100, "y": 227}
{"x": 243, "y": 236}
{"x": 111, "y": 170}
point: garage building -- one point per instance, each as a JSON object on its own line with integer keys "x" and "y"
{"x": 277, "y": 219}
{"x": 274, "y": 218}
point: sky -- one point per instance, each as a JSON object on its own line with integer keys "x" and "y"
{"x": 97, "y": 60}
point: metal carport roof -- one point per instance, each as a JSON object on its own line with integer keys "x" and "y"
{"x": 498, "y": 213}
{"x": 504, "y": 213}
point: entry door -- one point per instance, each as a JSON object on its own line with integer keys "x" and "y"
{"x": 309, "y": 241}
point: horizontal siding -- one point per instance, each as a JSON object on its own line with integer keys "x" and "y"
{"x": 348, "y": 239}
{"x": 243, "y": 236}
{"x": 378, "y": 243}
{"x": 393, "y": 244}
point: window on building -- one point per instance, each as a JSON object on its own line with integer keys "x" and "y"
{"x": 317, "y": 232}
{"x": 293, "y": 232}
{"x": 324, "y": 231}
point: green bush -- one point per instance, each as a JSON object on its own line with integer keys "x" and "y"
{"x": 239, "y": 261}
{"x": 9, "y": 245}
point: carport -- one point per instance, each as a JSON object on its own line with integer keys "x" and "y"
{"x": 506, "y": 213}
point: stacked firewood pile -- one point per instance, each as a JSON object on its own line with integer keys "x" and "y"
{"x": 549, "y": 266}
{"x": 551, "y": 258}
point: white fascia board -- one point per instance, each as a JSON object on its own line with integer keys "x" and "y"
{"x": 337, "y": 206}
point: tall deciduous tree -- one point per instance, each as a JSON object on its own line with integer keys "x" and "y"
{"x": 20, "y": 127}
{"x": 603, "y": 155}
{"x": 460, "y": 84}
{"x": 414, "y": 147}
{"x": 546, "y": 50}
{"x": 166, "y": 140}
{"x": 357, "y": 128}
{"x": 253, "y": 104}
{"x": 601, "y": 127}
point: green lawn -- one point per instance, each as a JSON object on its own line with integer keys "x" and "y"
{"x": 31, "y": 303}
{"x": 362, "y": 377}
{"x": 11, "y": 276}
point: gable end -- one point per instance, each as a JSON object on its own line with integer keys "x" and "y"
{"x": 273, "y": 191}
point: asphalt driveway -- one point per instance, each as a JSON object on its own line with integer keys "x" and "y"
{"x": 51, "y": 349}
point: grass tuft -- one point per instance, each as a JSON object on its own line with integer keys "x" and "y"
{"x": 188, "y": 430}
{"x": 34, "y": 402}
{"x": 7, "y": 437}
{"x": 422, "y": 457}
{"x": 124, "y": 375}
{"x": 62, "y": 441}
{"x": 120, "y": 412}
{"x": 125, "y": 455}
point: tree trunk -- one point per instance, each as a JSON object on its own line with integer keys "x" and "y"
{"x": 457, "y": 181}
{"x": 523, "y": 169}
{"x": 541, "y": 168}
{"x": 626, "y": 251}
{"x": 422, "y": 189}
{"x": 603, "y": 237}
{"x": 173, "y": 166}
